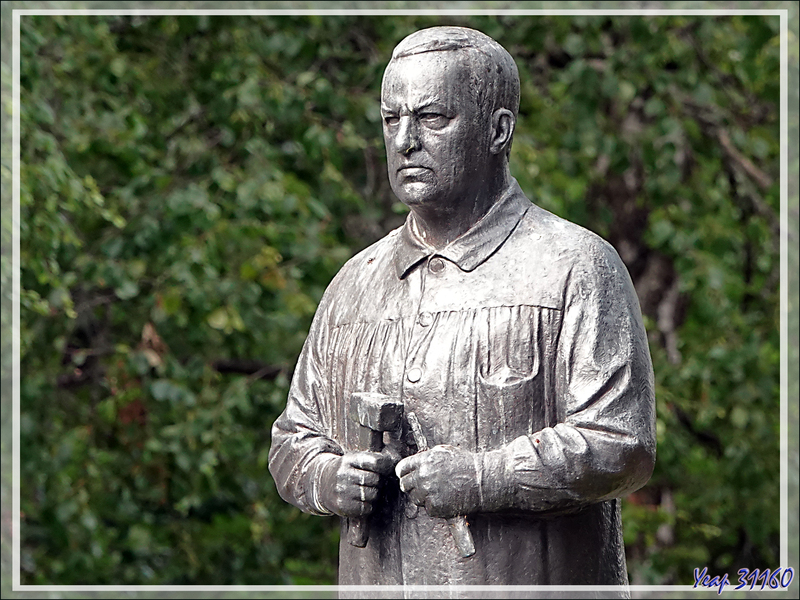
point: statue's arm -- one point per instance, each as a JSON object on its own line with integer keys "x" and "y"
{"x": 302, "y": 439}
{"x": 603, "y": 445}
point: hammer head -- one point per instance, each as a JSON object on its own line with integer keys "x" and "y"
{"x": 376, "y": 412}
{"x": 373, "y": 414}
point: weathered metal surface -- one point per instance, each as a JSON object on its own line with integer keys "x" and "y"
{"x": 514, "y": 337}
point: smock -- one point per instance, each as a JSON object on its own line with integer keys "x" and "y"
{"x": 522, "y": 339}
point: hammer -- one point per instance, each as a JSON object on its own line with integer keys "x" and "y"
{"x": 459, "y": 528}
{"x": 373, "y": 414}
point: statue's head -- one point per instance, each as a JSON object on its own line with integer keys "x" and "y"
{"x": 449, "y": 102}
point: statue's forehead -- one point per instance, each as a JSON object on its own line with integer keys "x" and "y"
{"x": 424, "y": 74}
{"x": 443, "y": 60}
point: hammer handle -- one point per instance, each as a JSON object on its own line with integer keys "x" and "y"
{"x": 461, "y": 535}
{"x": 358, "y": 531}
{"x": 458, "y": 525}
{"x": 358, "y": 527}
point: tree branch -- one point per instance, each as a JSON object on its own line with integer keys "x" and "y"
{"x": 761, "y": 178}
{"x": 256, "y": 369}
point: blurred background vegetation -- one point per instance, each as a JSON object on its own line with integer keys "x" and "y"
{"x": 190, "y": 184}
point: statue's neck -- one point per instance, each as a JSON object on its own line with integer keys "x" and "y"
{"x": 440, "y": 225}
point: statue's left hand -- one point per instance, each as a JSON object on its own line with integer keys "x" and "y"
{"x": 443, "y": 479}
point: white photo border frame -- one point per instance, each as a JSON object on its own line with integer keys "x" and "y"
{"x": 788, "y": 291}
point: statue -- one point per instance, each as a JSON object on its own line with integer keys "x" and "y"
{"x": 476, "y": 391}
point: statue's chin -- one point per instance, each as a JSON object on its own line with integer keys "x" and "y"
{"x": 415, "y": 193}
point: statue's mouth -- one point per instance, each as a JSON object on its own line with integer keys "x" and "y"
{"x": 412, "y": 170}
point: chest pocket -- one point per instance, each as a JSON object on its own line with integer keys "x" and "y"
{"x": 514, "y": 343}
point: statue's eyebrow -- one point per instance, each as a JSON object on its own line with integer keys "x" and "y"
{"x": 428, "y": 103}
{"x": 424, "y": 103}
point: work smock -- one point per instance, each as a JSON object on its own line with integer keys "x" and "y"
{"x": 521, "y": 340}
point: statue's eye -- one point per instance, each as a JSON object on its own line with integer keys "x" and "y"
{"x": 391, "y": 120}
{"x": 433, "y": 120}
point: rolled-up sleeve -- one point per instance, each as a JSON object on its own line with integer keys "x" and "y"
{"x": 302, "y": 442}
{"x": 603, "y": 445}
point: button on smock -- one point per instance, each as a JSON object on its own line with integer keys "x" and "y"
{"x": 425, "y": 319}
{"x": 436, "y": 265}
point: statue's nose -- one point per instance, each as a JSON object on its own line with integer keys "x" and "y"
{"x": 407, "y": 137}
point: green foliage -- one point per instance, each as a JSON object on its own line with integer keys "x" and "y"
{"x": 191, "y": 184}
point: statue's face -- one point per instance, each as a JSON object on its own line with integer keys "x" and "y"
{"x": 437, "y": 142}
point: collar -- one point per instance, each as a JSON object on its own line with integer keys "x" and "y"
{"x": 472, "y": 247}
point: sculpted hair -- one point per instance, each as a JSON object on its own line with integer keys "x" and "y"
{"x": 494, "y": 77}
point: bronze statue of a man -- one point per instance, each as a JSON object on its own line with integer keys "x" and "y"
{"x": 507, "y": 343}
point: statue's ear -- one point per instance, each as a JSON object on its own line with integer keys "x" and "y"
{"x": 503, "y": 123}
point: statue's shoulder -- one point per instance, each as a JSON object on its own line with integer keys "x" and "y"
{"x": 374, "y": 259}
{"x": 548, "y": 248}
{"x": 563, "y": 242}
{"x": 378, "y": 254}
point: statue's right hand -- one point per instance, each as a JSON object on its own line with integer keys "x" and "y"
{"x": 349, "y": 483}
